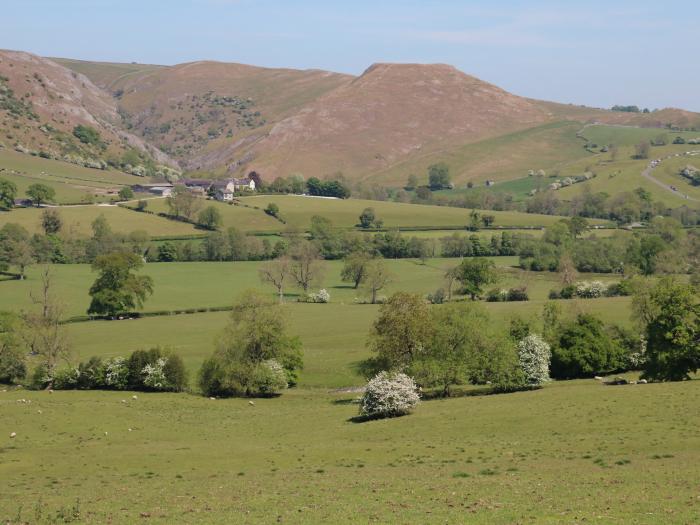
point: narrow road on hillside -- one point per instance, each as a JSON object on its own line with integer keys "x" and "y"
{"x": 647, "y": 174}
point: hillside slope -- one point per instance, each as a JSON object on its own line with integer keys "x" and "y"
{"x": 41, "y": 102}
{"x": 391, "y": 121}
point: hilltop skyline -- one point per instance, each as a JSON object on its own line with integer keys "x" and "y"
{"x": 595, "y": 55}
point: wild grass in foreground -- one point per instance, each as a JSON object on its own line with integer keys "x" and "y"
{"x": 572, "y": 452}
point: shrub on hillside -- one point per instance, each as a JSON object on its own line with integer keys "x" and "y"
{"x": 585, "y": 347}
{"x": 534, "y": 354}
{"x": 389, "y": 395}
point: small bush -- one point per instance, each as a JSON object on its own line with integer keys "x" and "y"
{"x": 499, "y": 295}
{"x": 389, "y": 395}
{"x": 66, "y": 379}
{"x": 117, "y": 373}
{"x": 321, "y": 297}
{"x": 568, "y": 292}
{"x": 269, "y": 377}
{"x": 518, "y": 294}
{"x": 92, "y": 374}
{"x": 438, "y": 297}
{"x": 590, "y": 290}
{"x": 12, "y": 366}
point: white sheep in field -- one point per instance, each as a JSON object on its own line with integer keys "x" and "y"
{"x": 13, "y": 434}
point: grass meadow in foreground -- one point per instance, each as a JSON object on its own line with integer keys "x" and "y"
{"x": 572, "y": 452}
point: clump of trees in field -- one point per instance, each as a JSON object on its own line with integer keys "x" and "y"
{"x": 254, "y": 356}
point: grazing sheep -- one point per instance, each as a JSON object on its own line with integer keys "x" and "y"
{"x": 13, "y": 434}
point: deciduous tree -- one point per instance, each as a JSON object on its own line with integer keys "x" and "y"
{"x": 118, "y": 289}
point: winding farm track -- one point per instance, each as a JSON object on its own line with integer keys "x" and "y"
{"x": 647, "y": 174}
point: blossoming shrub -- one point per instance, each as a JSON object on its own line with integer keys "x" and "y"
{"x": 389, "y": 394}
{"x": 590, "y": 290}
{"x": 154, "y": 375}
{"x": 321, "y": 297}
{"x": 269, "y": 377}
{"x": 116, "y": 373}
{"x": 534, "y": 354}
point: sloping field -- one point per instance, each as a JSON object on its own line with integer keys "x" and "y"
{"x": 244, "y": 218}
{"x": 71, "y": 183}
{"x": 78, "y": 220}
{"x": 298, "y": 210}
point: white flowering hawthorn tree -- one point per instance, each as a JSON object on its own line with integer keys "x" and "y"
{"x": 534, "y": 354}
{"x": 117, "y": 373}
{"x": 389, "y": 394}
{"x": 154, "y": 375}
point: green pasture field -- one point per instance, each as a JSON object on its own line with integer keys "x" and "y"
{"x": 572, "y": 452}
{"x": 244, "y": 218}
{"x": 518, "y": 188}
{"x": 72, "y": 183}
{"x": 333, "y": 335}
{"x": 184, "y": 285}
{"x": 298, "y": 210}
{"x": 630, "y": 136}
{"x": 78, "y": 220}
{"x": 487, "y": 234}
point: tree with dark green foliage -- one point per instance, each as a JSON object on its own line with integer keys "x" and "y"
{"x": 40, "y": 193}
{"x": 167, "y": 252}
{"x": 126, "y": 194}
{"x": 474, "y": 274}
{"x": 87, "y": 135}
{"x": 672, "y": 332}
{"x": 51, "y": 221}
{"x": 118, "y": 289}
{"x": 367, "y": 218}
{"x": 272, "y": 210}
{"x": 585, "y": 347}
{"x": 439, "y": 176}
{"x": 210, "y": 218}
{"x": 8, "y": 194}
{"x": 254, "y": 355}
